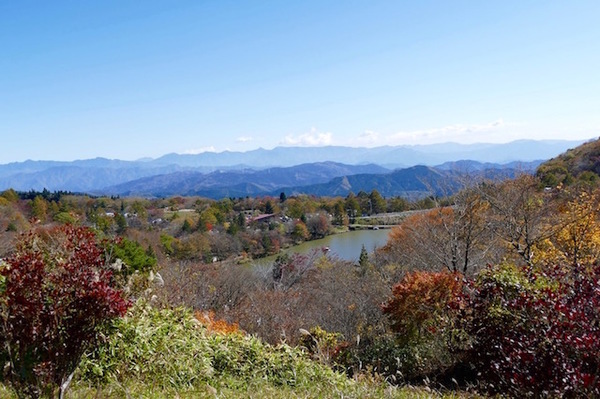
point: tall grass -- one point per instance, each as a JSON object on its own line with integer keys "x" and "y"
{"x": 168, "y": 353}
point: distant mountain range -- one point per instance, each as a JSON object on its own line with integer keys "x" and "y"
{"x": 389, "y": 157}
{"x": 239, "y": 183}
{"x": 314, "y": 170}
{"x": 416, "y": 181}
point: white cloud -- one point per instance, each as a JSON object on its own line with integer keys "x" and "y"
{"x": 200, "y": 150}
{"x": 368, "y": 138}
{"x": 313, "y": 138}
{"x": 244, "y": 139}
{"x": 457, "y": 132}
{"x": 494, "y": 131}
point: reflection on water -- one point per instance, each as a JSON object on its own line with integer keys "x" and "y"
{"x": 346, "y": 246}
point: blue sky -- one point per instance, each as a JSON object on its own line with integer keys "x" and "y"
{"x": 132, "y": 79}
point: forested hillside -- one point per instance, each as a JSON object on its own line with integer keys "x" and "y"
{"x": 581, "y": 163}
{"x": 493, "y": 289}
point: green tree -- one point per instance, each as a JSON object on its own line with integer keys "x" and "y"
{"x": 352, "y": 206}
{"x": 233, "y": 228}
{"x": 378, "y": 204}
{"x": 241, "y": 220}
{"x": 364, "y": 202}
{"x": 132, "y": 255}
{"x": 363, "y": 260}
{"x": 207, "y": 220}
{"x": 140, "y": 210}
{"x": 11, "y": 195}
{"x": 339, "y": 214}
{"x": 168, "y": 242}
{"x": 39, "y": 208}
{"x": 300, "y": 232}
{"x": 294, "y": 208}
{"x": 187, "y": 226}
{"x": 269, "y": 207}
{"x": 104, "y": 223}
{"x": 64, "y": 218}
{"x": 53, "y": 208}
{"x": 121, "y": 223}
{"x": 398, "y": 204}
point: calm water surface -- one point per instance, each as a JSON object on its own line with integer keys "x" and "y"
{"x": 346, "y": 246}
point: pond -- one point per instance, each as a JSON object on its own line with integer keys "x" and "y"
{"x": 346, "y": 246}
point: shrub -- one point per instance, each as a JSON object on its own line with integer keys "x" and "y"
{"x": 132, "y": 265}
{"x": 212, "y": 324}
{"x": 425, "y": 341}
{"x": 162, "y": 348}
{"x": 64, "y": 217}
{"x": 398, "y": 363}
{"x": 56, "y": 297}
{"x": 133, "y": 255}
{"x": 536, "y": 333}
{"x": 321, "y": 345}
{"x": 171, "y": 349}
{"x": 420, "y": 303}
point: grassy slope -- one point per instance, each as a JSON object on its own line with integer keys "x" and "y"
{"x": 168, "y": 354}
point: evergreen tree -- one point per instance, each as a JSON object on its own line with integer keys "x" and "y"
{"x": 187, "y": 226}
{"x": 269, "y": 207}
{"x": 241, "y": 220}
{"x": 121, "y": 223}
{"x": 378, "y": 204}
{"x": 363, "y": 259}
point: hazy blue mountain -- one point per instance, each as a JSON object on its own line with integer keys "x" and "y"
{"x": 407, "y": 182}
{"x": 413, "y": 182}
{"x": 324, "y": 179}
{"x": 466, "y": 166}
{"x": 16, "y": 168}
{"x": 30, "y": 166}
{"x": 238, "y": 183}
{"x": 393, "y": 157}
{"x": 77, "y": 178}
{"x": 95, "y": 175}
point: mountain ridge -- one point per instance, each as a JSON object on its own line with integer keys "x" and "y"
{"x": 325, "y": 179}
{"x": 99, "y": 174}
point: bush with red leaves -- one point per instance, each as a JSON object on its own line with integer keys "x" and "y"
{"x": 421, "y": 302}
{"x": 57, "y": 294}
{"x": 423, "y": 312}
{"x": 536, "y": 333}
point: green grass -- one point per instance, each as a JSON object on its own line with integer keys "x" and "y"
{"x": 167, "y": 353}
{"x": 258, "y": 389}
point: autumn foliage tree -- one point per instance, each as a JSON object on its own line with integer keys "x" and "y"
{"x": 576, "y": 238}
{"x": 420, "y": 302}
{"x": 452, "y": 238}
{"x": 424, "y": 339}
{"x": 57, "y": 293}
{"x": 318, "y": 225}
{"x": 518, "y": 215}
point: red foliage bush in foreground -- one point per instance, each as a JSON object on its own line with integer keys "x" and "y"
{"x": 56, "y": 294}
{"x": 536, "y": 333}
{"x": 517, "y": 331}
